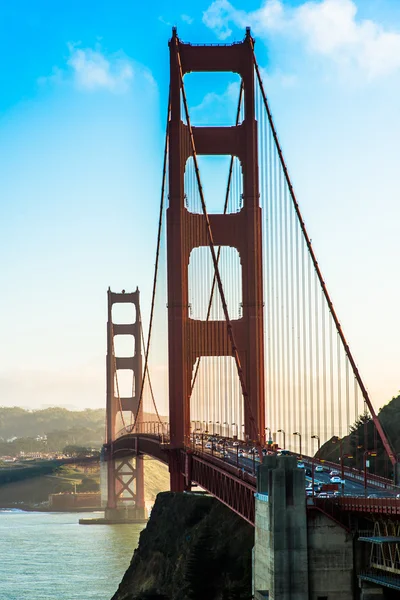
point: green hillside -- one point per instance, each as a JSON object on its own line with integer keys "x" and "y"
{"x": 51, "y": 429}
{"x": 363, "y": 436}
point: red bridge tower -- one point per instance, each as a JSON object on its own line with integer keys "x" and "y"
{"x": 189, "y": 338}
{"x": 125, "y": 477}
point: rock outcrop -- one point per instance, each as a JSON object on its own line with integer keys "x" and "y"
{"x": 193, "y": 548}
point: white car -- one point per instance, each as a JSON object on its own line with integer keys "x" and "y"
{"x": 208, "y": 445}
{"x": 336, "y": 479}
{"x": 319, "y": 469}
{"x": 300, "y": 465}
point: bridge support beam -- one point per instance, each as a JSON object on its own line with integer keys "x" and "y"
{"x": 280, "y": 568}
{"x": 370, "y": 591}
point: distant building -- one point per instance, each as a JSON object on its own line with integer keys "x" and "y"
{"x": 74, "y": 501}
{"x": 7, "y": 459}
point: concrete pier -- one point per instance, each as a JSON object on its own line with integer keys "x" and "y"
{"x": 280, "y": 552}
{"x": 119, "y": 516}
{"x": 299, "y": 554}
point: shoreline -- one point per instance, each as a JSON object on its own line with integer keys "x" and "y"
{"x": 30, "y": 508}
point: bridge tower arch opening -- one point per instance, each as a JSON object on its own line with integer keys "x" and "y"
{"x": 125, "y": 475}
{"x": 188, "y": 338}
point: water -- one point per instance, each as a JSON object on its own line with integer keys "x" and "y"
{"x": 49, "y": 556}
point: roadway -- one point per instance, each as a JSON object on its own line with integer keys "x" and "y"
{"x": 350, "y": 487}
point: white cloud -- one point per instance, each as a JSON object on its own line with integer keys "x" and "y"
{"x": 329, "y": 28}
{"x": 93, "y": 70}
{"x": 162, "y": 20}
{"x": 278, "y": 79}
{"x": 217, "y": 109}
{"x": 55, "y": 77}
{"x": 187, "y": 19}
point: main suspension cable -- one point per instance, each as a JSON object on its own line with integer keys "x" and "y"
{"x": 149, "y": 380}
{"x": 153, "y": 297}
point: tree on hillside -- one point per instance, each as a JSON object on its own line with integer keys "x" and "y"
{"x": 19, "y": 422}
{"x": 88, "y": 485}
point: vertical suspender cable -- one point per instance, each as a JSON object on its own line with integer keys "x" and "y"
{"x": 225, "y": 211}
{"x": 383, "y": 436}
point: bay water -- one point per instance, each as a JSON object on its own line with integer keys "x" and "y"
{"x": 49, "y": 556}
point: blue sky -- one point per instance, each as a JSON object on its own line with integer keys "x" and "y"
{"x": 82, "y": 110}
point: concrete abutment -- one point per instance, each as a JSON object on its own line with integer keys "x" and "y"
{"x": 298, "y": 554}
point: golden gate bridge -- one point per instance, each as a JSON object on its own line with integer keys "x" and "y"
{"x": 243, "y": 338}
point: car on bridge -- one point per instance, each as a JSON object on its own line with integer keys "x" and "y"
{"x": 319, "y": 469}
{"x": 300, "y": 465}
{"x": 337, "y": 479}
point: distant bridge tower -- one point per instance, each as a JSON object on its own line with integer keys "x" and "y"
{"x": 125, "y": 475}
{"x": 190, "y": 339}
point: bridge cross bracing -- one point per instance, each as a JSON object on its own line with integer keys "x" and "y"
{"x": 255, "y": 348}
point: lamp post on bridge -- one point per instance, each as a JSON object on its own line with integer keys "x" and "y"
{"x": 316, "y": 437}
{"x": 244, "y": 437}
{"x": 237, "y": 430}
{"x": 284, "y": 437}
{"x": 219, "y": 427}
{"x": 226, "y": 427}
{"x": 269, "y": 435}
{"x": 335, "y": 439}
{"x": 299, "y": 434}
{"x": 342, "y": 468}
{"x": 366, "y": 453}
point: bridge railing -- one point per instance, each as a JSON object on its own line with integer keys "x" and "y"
{"x": 371, "y": 505}
{"x": 148, "y": 427}
{"x": 355, "y": 474}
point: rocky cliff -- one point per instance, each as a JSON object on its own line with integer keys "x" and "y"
{"x": 193, "y": 548}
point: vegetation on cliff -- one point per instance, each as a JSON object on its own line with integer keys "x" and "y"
{"x": 193, "y": 548}
{"x": 363, "y": 436}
